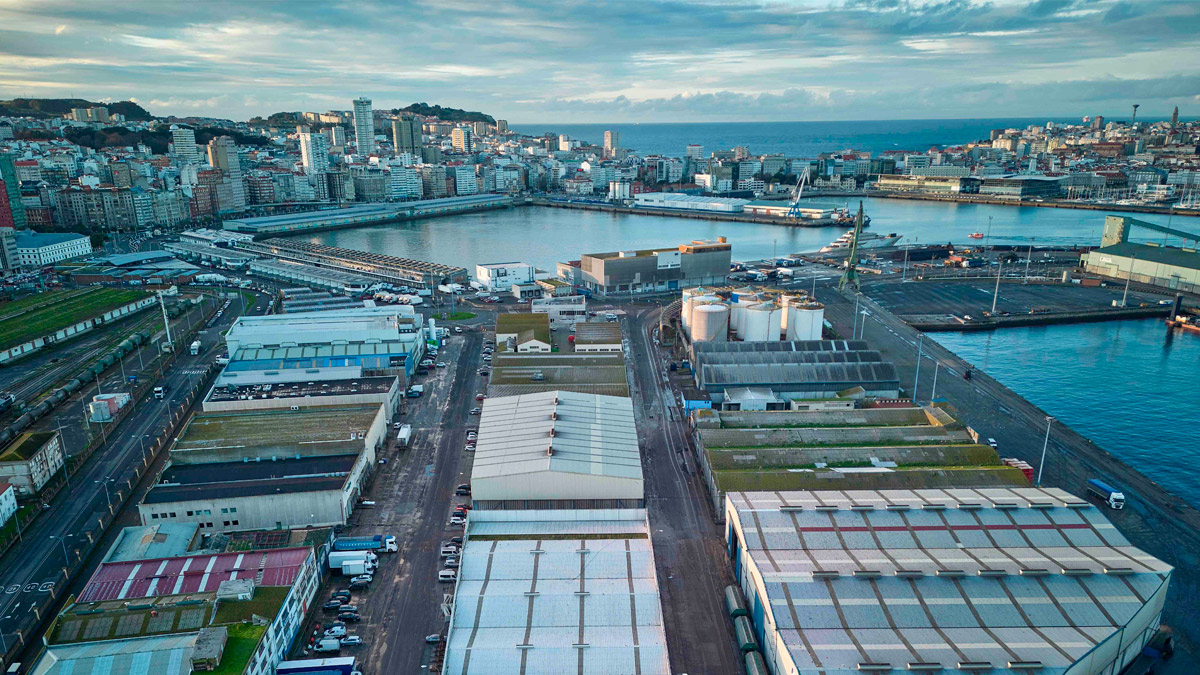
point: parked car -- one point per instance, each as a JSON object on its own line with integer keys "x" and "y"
{"x": 441, "y": 364}
{"x": 363, "y": 579}
{"x": 483, "y": 372}
{"x": 475, "y": 411}
{"x": 449, "y": 550}
{"x": 332, "y": 606}
{"x": 343, "y": 596}
{"x": 451, "y": 562}
{"x": 433, "y": 639}
{"x": 480, "y": 397}
{"x": 456, "y": 540}
{"x": 463, "y": 489}
{"x": 447, "y": 576}
{"x": 351, "y": 641}
{"x": 470, "y": 447}
{"x": 471, "y": 435}
{"x": 359, "y": 585}
{"x": 458, "y": 329}
{"x": 337, "y": 630}
{"x": 350, "y": 617}
{"x": 458, "y": 520}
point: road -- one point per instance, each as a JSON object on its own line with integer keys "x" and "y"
{"x": 413, "y": 496}
{"x": 33, "y": 571}
{"x": 689, "y": 550}
{"x": 1154, "y": 520}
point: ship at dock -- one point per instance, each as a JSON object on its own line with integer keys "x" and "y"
{"x": 866, "y": 240}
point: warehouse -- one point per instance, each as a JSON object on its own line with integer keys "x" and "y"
{"x": 380, "y": 267}
{"x": 557, "y": 450}
{"x": 598, "y": 337}
{"x": 588, "y": 373}
{"x": 682, "y": 202}
{"x": 598, "y": 613}
{"x": 853, "y": 449}
{"x": 221, "y": 257}
{"x": 697, "y": 263}
{"x": 268, "y": 434}
{"x": 337, "y": 281}
{"x": 1018, "y": 580}
{"x": 356, "y": 391}
{"x": 793, "y": 370}
{"x": 1173, "y": 267}
{"x": 804, "y": 210}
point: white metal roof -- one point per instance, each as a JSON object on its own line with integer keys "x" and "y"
{"x": 998, "y": 575}
{"x": 561, "y": 433}
{"x": 553, "y": 606}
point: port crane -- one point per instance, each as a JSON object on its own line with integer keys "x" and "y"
{"x": 850, "y": 276}
{"x": 797, "y": 193}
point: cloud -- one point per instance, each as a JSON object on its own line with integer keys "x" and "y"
{"x": 654, "y": 60}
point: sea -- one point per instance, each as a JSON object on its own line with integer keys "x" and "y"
{"x": 1123, "y": 384}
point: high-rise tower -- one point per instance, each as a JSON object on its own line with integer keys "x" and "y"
{"x": 364, "y": 125}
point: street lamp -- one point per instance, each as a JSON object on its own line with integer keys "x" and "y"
{"x": 107, "y": 494}
{"x": 1045, "y": 444}
{"x": 854, "y": 328}
{"x": 63, "y": 540}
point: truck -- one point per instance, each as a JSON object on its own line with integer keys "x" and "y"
{"x": 404, "y": 436}
{"x": 195, "y": 348}
{"x": 453, "y": 289}
{"x": 381, "y": 542}
{"x": 786, "y": 273}
{"x": 416, "y": 390}
{"x": 354, "y": 568}
{"x": 1106, "y": 493}
{"x": 339, "y": 558}
{"x": 160, "y": 392}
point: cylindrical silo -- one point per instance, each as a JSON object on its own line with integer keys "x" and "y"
{"x": 786, "y": 302}
{"x": 805, "y": 321}
{"x": 710, "y": 322}
{"x": 738, "y": 312}
{"x": 761, "y": 322}
{"x": 685, "y": 313}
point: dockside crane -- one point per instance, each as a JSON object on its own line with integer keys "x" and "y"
{"x": 850, "y": 275}
{"x": 797, "y": 193}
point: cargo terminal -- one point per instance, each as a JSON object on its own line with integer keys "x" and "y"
{"x": 376, "y": 266}
{"x": 367, "y": 214}
{"x": 953, "y": 580}
{"x": 655, "y": 270}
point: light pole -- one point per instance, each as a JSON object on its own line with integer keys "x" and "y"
{"x": 1028, "y": 258}
{"x": 854, "y": 328}
{"x": 107, "y": 494}
{"x": 988, "y": 242}
{"x": 937, "y": 366}
{"x": 1045, "y": 444}
{"x": 917, "y": 376}
{"x": 63, "y": 540}
{"x": 996, "y": 295}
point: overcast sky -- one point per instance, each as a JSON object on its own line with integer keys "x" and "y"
{"x": 644, "y": 61}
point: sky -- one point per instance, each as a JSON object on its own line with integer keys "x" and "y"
{"x": 640, "y": 61}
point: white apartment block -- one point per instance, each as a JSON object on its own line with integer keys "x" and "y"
{"x": 465, "y": 182}
{"x": 38, "y": 250}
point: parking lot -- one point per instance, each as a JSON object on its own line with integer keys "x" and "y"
{"x": 413, "y": 500}
{"x": 974, "y": 297}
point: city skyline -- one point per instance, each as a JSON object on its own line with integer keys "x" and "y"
{"x": 660, "y": 62}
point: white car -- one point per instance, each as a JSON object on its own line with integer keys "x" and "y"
{"x": 441, "y": 364}
{"x": 351, "y": 641}
{"x": 362, "y": 579}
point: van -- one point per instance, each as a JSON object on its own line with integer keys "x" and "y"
{"x": 447, "y": 576}
{"x": 328, "y": 645}
{"x": 448, "y": 551}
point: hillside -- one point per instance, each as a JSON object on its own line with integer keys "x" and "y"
{"x": 156, "y": 140}
{"x": 446, "y": 114}
{"x": 57, "y": 107}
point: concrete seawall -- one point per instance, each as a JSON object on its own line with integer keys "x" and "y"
{"x": 762, "y": 220}
{"x": 946, "y": 324}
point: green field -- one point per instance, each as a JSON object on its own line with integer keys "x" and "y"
{"x": 45, "y": 313}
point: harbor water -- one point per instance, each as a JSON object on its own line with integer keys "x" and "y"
{"x": 544, "y": 236}
{"x": 1131, "y": 387}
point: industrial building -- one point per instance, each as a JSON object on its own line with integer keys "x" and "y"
{"x": 850, "y": 449}
{"x": 377, "y": 266}
{"x": 268, "y": 469}
{"x": 928, "y": 184}
{"x": 750, "y": 315}
{"x": 523, "y": 333}
{"x": 597, "y": 337}
{"x": 804, "y": 210}
{"x": 793, "y": 369}
{"x": 546, "y": 592}
{"x": 563, "y": 310}
{"x": 656, "y": 270}
{"x": 328, "y": 345}
{"x": 233, "y": 612}
{"x": 1173, "y": 267}
{"x": 1020, "y": 187}
{"x": 286, "y": 271}
{"x": 384, "y": 390}
{"x": 952, "y": 580}
{"x": 31, "y": 460}
{"x": 35, "y": 249}
{"x": 586, "y": 373}
{"x": 366, "y": 214}
{"x": 201, "y": 253}
{"x": 684, "y": 202}
{"x": 557, "y": 450}
{"x": 162, "y": 540}
{"x": 500, "y": 277}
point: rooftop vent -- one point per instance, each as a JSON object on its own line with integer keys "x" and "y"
{"x": 867, "y": 574}
{"x": 974, "y": 665}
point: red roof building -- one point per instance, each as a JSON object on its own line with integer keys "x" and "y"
{"x": 192, "y": 574}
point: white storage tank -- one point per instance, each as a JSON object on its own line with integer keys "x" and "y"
{"x": 697, "y": 302}
{"x": 738, "y": 311}
{"x": 710, "y": 322}
{"x": 761, "y": 322}
{"x": 805, "y": 320}
{"x": 786, "y": 301}
{"x": 685, "y": 312}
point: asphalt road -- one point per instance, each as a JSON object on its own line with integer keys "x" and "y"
{"x": 689, "y": 550}
{"x": 1153, "y": 520}
{"x": 413, "y": 495}
{"x": 32, "y": 573}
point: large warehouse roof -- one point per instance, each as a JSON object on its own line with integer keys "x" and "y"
{"x": 957, "y": 579}
{"x": 557, "y": 433}
{"x": 536, "y": 599}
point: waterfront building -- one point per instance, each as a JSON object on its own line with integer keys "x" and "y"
{"x": 1012, "y": 186}
{"x": 1173, "y": 267}
{"x": 38, "y": 250}
{"x": 465, "y": 182}
{"x": 314, "y": 153}
{"x": 366, "y": 214}
{"x": 406, "y": 136}
{"x": 654, "y": 270}
{"x": 500, "y": 277}
{"x": 405, "y": 183}
{"x": 364, "y": 126}
{"x": 694, "y": 151}
{"x": 682, "y": 202}
{"x": 183, "y": 144}
{"x": 927, "y": 184}
{"x": 950, "y": 580}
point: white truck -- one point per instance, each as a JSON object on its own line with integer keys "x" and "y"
{"x": 353, "y": 568}
{"x": 450, "y": 288}
{"x": 195, "y": 348}
{"x": 338, "y": 559}
{"x": 404, "y": 436}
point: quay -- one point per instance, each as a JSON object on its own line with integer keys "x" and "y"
{"x": 367, "y": 214}
{"x": 1154, "y": 520}
{"x": 677, "y": 213}
{"x": 995, "y": 201}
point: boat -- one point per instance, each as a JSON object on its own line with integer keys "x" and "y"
{"x": 866, "y": 240}
{"x": 976, "y": 235}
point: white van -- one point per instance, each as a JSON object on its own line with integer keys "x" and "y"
{"x": 448, "y": 551}
{"x": 447, "y": 575}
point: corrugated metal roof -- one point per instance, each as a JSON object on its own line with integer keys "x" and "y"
{"x": 942, "y": 576}
{"x": 589, "y": 434}
{"x": 785, "y": 375}
{"x": 191, "y": 574}
{"x": 166, "y": 655}
{"x": 586, "y": 606}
